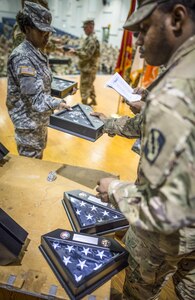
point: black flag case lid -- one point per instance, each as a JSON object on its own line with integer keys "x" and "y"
{"x": 82, "y": 262}
{"x": 87, "y": 214}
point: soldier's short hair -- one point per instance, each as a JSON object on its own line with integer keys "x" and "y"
{"x": 87, "y": 22}
{"x": 189, "y": 4}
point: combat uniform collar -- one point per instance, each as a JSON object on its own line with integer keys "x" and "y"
{"x": 183, "y": 50}
{"x": 37, "y": 52}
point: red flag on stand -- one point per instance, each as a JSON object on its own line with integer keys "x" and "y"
{"x": 125, "y": 56}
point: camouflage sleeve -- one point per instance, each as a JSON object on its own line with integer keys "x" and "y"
{"x": 124, "y": 126}
{"x": 86, "y": 52}
{"x": 32, "y": 85}
{"x": 165, "y": 199}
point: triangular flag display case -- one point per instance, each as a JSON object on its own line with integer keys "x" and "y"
{"x": 82, "y": 262}
{"x": 78, "y": 122}
{"x": 87, "y": 214}
{"x": 60, "y": 87}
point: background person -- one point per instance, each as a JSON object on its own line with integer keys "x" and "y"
{"x": 160, "y": 207}
{"x": 88, "y": 56}
{"x": 29, "y": 101}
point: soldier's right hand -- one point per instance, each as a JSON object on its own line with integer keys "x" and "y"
{"x": 99, "y": 115}
{"x": 63, "y": 105}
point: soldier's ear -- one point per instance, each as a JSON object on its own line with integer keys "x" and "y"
{"x": 179, "y": 16}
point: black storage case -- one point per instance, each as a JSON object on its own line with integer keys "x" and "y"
{"x": 59, "y": 61}
{"x": 12, "y": 239}
{"x": 60, "y": 88}
{"x": 78, "y": 122}
{"x": 82, "y": 263}
{"x": 87, "y": 214}
{"x": 3, "y": 151}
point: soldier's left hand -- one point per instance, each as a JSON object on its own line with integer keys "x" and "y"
{"x": 102, "y": 188}
{"x": 74, "y": 90}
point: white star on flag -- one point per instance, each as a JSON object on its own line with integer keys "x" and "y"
{"x": 77, "y": 278}
{"x": 94, "y": 208}
{"x": 82, "y": 203}
{"x": 105, "y": 213}
{"x": 100, "y": 254}
{"x": 82, "y": 264}
{"x": 72, "y": 199}
{"x": 78, "y": 212}
{"x": 89, "y": 217}
{"x": 70, "y": 248}
{"x": 56, "y": 245}
{"x": 66, "y": 260}
{"x": 97, "y": 266}
{"x": 115, "y": 217}
{"x": 100, "y": 220}
{"x": 86, "y": 251}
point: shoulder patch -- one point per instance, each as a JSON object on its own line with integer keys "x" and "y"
{"x": 27, "y": 71}
{"x": 154, "y": 145}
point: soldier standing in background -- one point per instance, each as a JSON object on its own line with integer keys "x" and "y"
{"x": 160, "y": 206}
{"x": 29, "y": 99}
{"x": 88, "y": 56}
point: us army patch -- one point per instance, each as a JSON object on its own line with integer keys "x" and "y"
{"x": 154, "y": 145}
{"x": 27, "y": 71}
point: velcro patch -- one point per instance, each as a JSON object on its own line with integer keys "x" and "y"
{"x": 154, "y": 145}
{"x": 27, "y": 71}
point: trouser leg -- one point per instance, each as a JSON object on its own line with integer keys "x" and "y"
{"x": 184, "y": 278}
{"x": 87, "y": 89}
{"x": 150, "y": 267}
{"x": 31, "y": 143}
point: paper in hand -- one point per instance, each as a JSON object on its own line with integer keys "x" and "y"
{"x": 123, "y": 88}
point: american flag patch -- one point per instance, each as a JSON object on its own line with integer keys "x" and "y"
{"x": 27, "y": 71}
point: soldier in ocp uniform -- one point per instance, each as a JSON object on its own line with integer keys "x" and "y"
{"x": 29, "y": 100}
{"x": 160, "y": 206}
{"x": 88, "y": 56}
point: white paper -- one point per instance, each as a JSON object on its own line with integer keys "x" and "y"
{"x": 123, "y": 88}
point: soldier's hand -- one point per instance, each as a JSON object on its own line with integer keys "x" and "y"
{"x": 142, "y": 92}
{"x": 136, "y": 106}
{"x": 71, "y": 51}
{"x": 63, "y": 105}
{"x": 99, "y": 115}
{"x": 74, "y": 90}
{"x": 102, "y": 188}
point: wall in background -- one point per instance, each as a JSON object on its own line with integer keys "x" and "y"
{"x": 69, "y": 14}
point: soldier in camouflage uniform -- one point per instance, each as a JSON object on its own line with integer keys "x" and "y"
{"x": 17, "y": 35}
{"x": 160, "y": 207}
{"x": 88, "y": 56}
{"x": 29, "y": 101}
